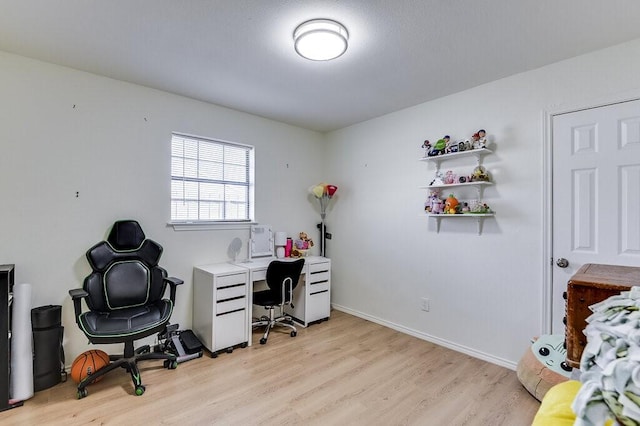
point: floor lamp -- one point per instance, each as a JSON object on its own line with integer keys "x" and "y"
{"x": 323, "y": 193}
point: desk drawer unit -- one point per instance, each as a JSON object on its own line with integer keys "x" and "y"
{"x": 220, "y": 305}
{"x": 318, "y": 283}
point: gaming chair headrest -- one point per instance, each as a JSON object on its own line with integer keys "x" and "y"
{"x": 126, "y": 235}
{"x": 126, "y": 241}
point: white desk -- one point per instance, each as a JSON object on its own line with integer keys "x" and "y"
{"x": 223, "y": 299}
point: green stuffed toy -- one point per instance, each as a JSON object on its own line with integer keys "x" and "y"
{"x": 544, "y": 365}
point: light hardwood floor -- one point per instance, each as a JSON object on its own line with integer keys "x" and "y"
{"x": 345, "y": 371}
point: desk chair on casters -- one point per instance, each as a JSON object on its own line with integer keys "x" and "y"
{"x": 282, "y": 278}
{"x": 125, "y": 297}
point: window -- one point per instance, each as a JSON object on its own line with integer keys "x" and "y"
{"x": 211, "y": 181}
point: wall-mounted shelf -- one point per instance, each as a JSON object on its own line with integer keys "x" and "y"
{"x": 477, "y": 153}
{"x": 478, "y": 185}
{"x": 480, "y": 217}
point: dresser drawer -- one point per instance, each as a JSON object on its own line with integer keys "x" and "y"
{"x": 319, "y": 306}
{"x": 231, "y": 292}
{"x": 230, "y": 330}
{"x": 317, "y": 277}
{"x": 318, "y": 287}
{"x": 231, "y": 305}
{"x": 229, "y": 280}
{"x": 319, "y": 267}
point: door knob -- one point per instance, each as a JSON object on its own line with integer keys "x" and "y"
{"x": 562, "y": 262}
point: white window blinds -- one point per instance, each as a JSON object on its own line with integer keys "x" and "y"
{"x": 210, "y": 180}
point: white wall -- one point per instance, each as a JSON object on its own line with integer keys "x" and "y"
{"x": 113, "y": 148}
{"x": 485, "y": 291}
{"x": 65, "y": 131}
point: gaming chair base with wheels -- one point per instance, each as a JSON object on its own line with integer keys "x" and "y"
{"x": 125, "y": 297}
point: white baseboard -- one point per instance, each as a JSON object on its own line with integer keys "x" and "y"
{"x": 424, "y": 336}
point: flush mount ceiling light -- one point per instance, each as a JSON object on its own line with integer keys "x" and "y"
{"x": 320, "y": 39}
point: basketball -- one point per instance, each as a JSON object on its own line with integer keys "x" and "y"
{"x": 88, "y": 363}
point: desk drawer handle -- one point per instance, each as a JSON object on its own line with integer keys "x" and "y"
{"x": 318, "y": 292}
{"x": 319, "y": 282}
{"x": 232, "y": 286}
{"x": 229, "y": 299}
{"x": 230, "y": 312}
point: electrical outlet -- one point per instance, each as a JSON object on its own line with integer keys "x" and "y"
{"x": 424, "y": 304}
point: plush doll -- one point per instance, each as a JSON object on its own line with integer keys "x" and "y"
{"x": 451, "y": 205}
{"x": 301, "y": 245}
{"x": 449, "y": 177}
{"x": 543, "y": 365}
{"x": 430, "y": 206}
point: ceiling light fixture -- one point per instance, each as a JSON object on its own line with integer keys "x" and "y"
{"x": 320, "y": 39}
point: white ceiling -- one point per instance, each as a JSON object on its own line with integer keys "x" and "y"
{"x": 239, "y": 53}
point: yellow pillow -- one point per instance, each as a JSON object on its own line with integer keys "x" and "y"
{"x": 555, "y": 408}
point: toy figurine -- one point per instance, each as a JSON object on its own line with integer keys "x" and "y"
{"x": 451, "y": 147}
{"x": 479, "y": 139}
{"x": 483, "y": 138}
{"x": 427, "y": 147}
{"x": 304, "y": 242}
{"x": 451, "y": 205}
{"x": 438, "y": 207}
{"x": 440, "y": 146}
{"x": 479, "y": 207}
{"x": 432, "y": 201}
{"x": 465, "y": 208}
{"x": 464, "y": 145}
{"x": 480, "y": 175}
{"x": 437, "y": 180}
{"x": 449, "y": 177}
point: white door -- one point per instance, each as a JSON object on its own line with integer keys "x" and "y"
{"x": 596, "y": 193}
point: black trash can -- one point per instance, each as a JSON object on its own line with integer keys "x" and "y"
{"x": 48, "y": 355}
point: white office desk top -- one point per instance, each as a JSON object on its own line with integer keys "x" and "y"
{"x": 263, "y": 262}
{"x": 224, "y": 268}
{"x": 221, "y": 268}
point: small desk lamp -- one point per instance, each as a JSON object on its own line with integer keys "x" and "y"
{"x": 324, "y": 193}
{"x": 280, "y": 242}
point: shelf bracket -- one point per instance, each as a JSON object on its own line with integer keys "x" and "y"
{"x": 479, "y": 189}
{"x": 437, "y": 165}
{"x": 480, "y": 223}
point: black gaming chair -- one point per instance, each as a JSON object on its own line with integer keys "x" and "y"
{"x": 282, "y": 278}
{"x": 124, "y": 295}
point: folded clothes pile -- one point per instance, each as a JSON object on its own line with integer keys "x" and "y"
{"x": 610, "y": 363}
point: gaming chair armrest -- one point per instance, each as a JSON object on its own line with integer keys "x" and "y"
{"x": 77, "y": 294}
{"x": 173, "y": 283}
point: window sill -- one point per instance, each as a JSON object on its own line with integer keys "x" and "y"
{"x": 207, "y": 226}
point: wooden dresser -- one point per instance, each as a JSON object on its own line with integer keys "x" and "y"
{"x": 592, "y": 283}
